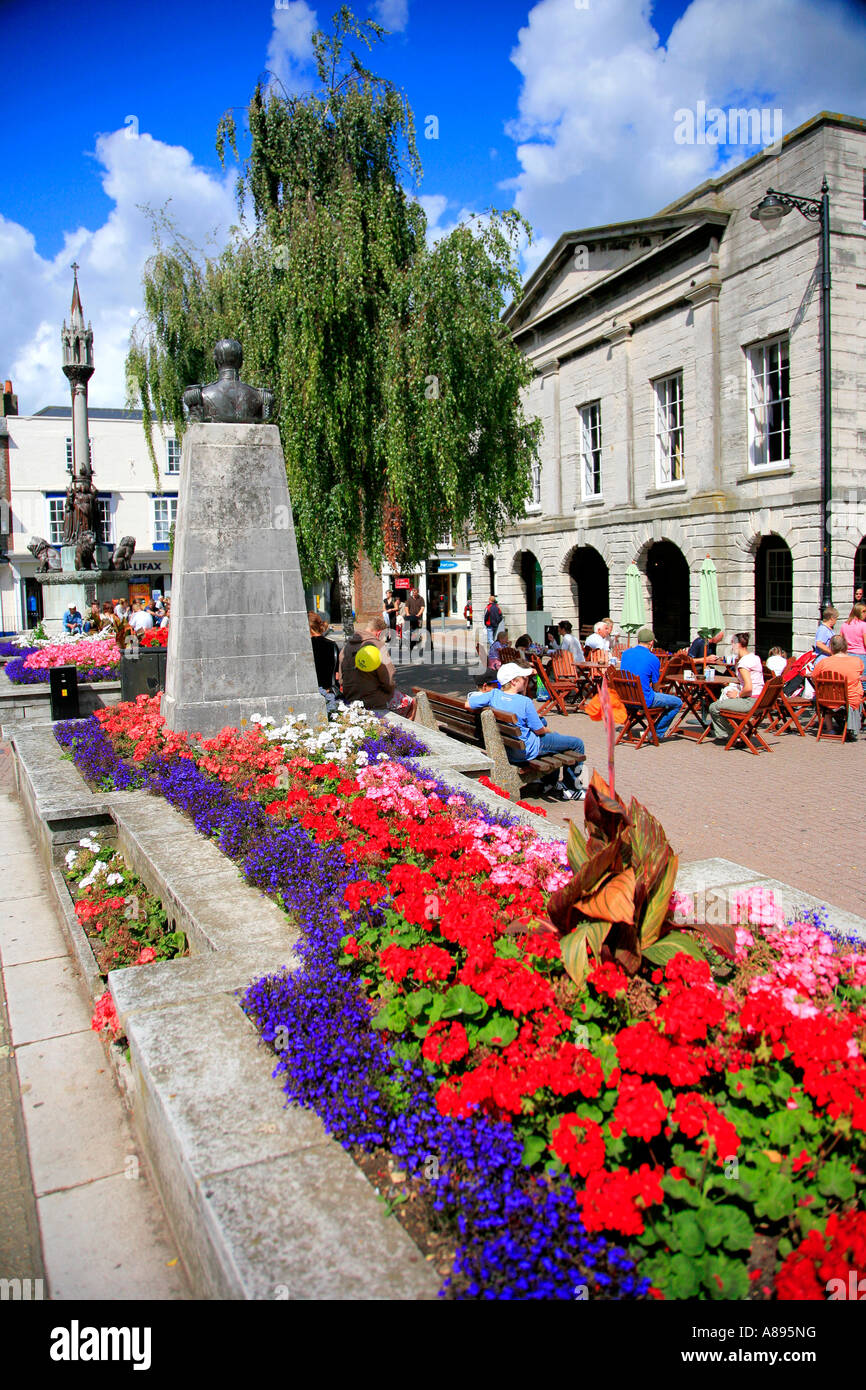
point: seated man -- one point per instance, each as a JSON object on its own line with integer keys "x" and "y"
{"x": 842, "y": 663}
{"x": 537, "y": 738}
{"x": 703, "y": 650}
{"x": 569, "y": 643}
{"x": 72, "y": 620}
{"x": 599, "y": 639}
{"x": 641, "y": 662}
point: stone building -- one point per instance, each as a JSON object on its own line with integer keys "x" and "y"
{"x": 678, "y": 378}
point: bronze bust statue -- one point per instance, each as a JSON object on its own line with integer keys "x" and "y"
{"x": 228, "y": 400}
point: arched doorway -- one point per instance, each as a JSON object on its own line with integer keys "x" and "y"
{"x": 491, "y": 571}
{"x": 668, "y": 574}
{"x": 860, "y": 565}
{"x": 591, "y": 583}
{"x": 533, "y": 583}
{"x": 774, "y": 596}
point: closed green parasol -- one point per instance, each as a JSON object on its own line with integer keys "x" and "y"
{"x": 710, "y": 620}
{"x": 633, "y": 611}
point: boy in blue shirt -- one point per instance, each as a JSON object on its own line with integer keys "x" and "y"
{"x": 537, "y": 738}
{"x": 641, "y": 662}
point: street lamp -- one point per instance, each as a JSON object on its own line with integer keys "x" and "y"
{"x": 769, "y": 212}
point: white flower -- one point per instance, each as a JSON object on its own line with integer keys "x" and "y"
{"x": 71, "y": 856}
{"x": 114, "y": 879}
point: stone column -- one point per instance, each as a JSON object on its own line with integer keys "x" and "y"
{"x": 703, "y": 457}
{"x": 619, "y": 337}
{"x": 239, "y": 642}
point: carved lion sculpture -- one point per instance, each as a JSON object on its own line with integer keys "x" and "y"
{"x": 42, "y": 552}
{"x": 123, "y": 552}
{"x": 84, "y": 551}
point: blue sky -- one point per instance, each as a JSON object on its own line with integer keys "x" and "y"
{"x": 563, "y": 108}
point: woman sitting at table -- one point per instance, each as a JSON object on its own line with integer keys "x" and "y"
{"x": 739, "y": 698}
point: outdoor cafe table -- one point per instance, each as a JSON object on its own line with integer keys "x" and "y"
{"x": 697, "y": 695}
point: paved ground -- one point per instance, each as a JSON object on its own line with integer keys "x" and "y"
{"x": 796, "y": 814}
{"x": 76, "y": 1206}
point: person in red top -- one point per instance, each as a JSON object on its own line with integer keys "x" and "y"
{"x": 841, "y": 663}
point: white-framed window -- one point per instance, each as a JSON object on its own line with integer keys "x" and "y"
{"x": 779, "y": 586}
{"x": 103, "y": 502}
{"x": 535, "y": 499}
{"x": 445, "y": 543}
{"x": 590, "y": 449}
{"x": 670, "y": 463}
{"x": 172, "y": 456}
{"x": 164, "y": 517}
{"x": 769, "y": 404}
{"x": 55, "y": 505}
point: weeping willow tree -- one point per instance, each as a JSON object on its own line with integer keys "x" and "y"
{"x": 398, "y": 388}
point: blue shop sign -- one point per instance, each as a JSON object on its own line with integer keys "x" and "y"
{"x": 447, "y": 565}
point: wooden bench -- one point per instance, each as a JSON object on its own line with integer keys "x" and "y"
{"x": 493, "y": 731}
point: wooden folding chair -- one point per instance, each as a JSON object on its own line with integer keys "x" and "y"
{"x": 831, "y": 696}
{"x": 560, "y": 680}
{"x": 746, "y": 725}
{"x": 640, "y": 718}
{"x": 789, "y": 713}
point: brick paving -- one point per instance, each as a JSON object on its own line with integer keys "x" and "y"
{"x": 797, "y": 813}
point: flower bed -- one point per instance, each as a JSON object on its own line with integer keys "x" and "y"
{"x": 706, "y": 1110}
{"x": 96, "y": 659}
{"x": 124, "y": 923}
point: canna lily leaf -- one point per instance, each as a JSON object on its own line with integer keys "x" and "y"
{"x": 613, "y": 901}
{"x": 578, "y": 853}
{"x": 561, "y": 904}
{"x": 605, "y": 813}
{"x": 663, "y": 951}
{"x": 724, "y": 938}
{"x": 574, "y": 954}
{"x": 657, "y": 903}
{"x": 648, "y": 843}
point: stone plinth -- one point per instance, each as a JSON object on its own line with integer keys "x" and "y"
{"x": 239, "y": 642}
{"x": 59, "y": 588}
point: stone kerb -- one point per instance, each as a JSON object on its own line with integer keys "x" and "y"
{"x": 263, "y": 1204}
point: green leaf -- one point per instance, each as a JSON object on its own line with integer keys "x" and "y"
{"x": 657, "y": 902}
{"x": 687, "y": 1234}
{"x": 724, "y": 1278}
{"x": 460, "y": 999}
{"x": 676, "y": 1275}
{"x": 681, "y": 1190}
{"x": 393, "y": 1017}
{"x": 663, "y": 951}
{"x": 574, "y": 954}
{"x": 500, "y": 1030}
{"x": 726, "y": 1225}
{"x": 783, "y": 1128}
{"x": 534, "y": 1147}
{"x": 417, "y": 1002}
{"x": 835, "y": 1179}
{"x": 774, "y": 1196}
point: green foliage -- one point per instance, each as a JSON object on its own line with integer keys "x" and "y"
{"x": 398, "y": 387}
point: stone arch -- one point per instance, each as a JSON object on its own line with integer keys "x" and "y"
{"x": 666, "y": 529}
{"x": 668, "y": 575}
{"x": 589, "y": 578}
{"x": 526, "y": 565}
{"x": 774, "y": 594}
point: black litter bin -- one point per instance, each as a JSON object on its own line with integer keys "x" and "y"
{"x": 142, "y": 673}
{"x": 63, "y": 681}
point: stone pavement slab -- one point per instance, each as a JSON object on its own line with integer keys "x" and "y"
{"x": 108, "y": 1240}
{"x": 67, "y": 1093}
{"x": 45, "y": 1000}
{"x": 29, "y": 932}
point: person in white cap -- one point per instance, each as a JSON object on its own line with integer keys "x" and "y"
{"x": 511, "y": 698}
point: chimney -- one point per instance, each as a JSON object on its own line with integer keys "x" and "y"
{"x": 10, "y": 401}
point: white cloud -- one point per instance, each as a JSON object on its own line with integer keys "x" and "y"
{"x": 36, "y": 290}
{"x": 290, "y": 50}
{"x": 391, "y": 14}
{"x": 595, "y": 121}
